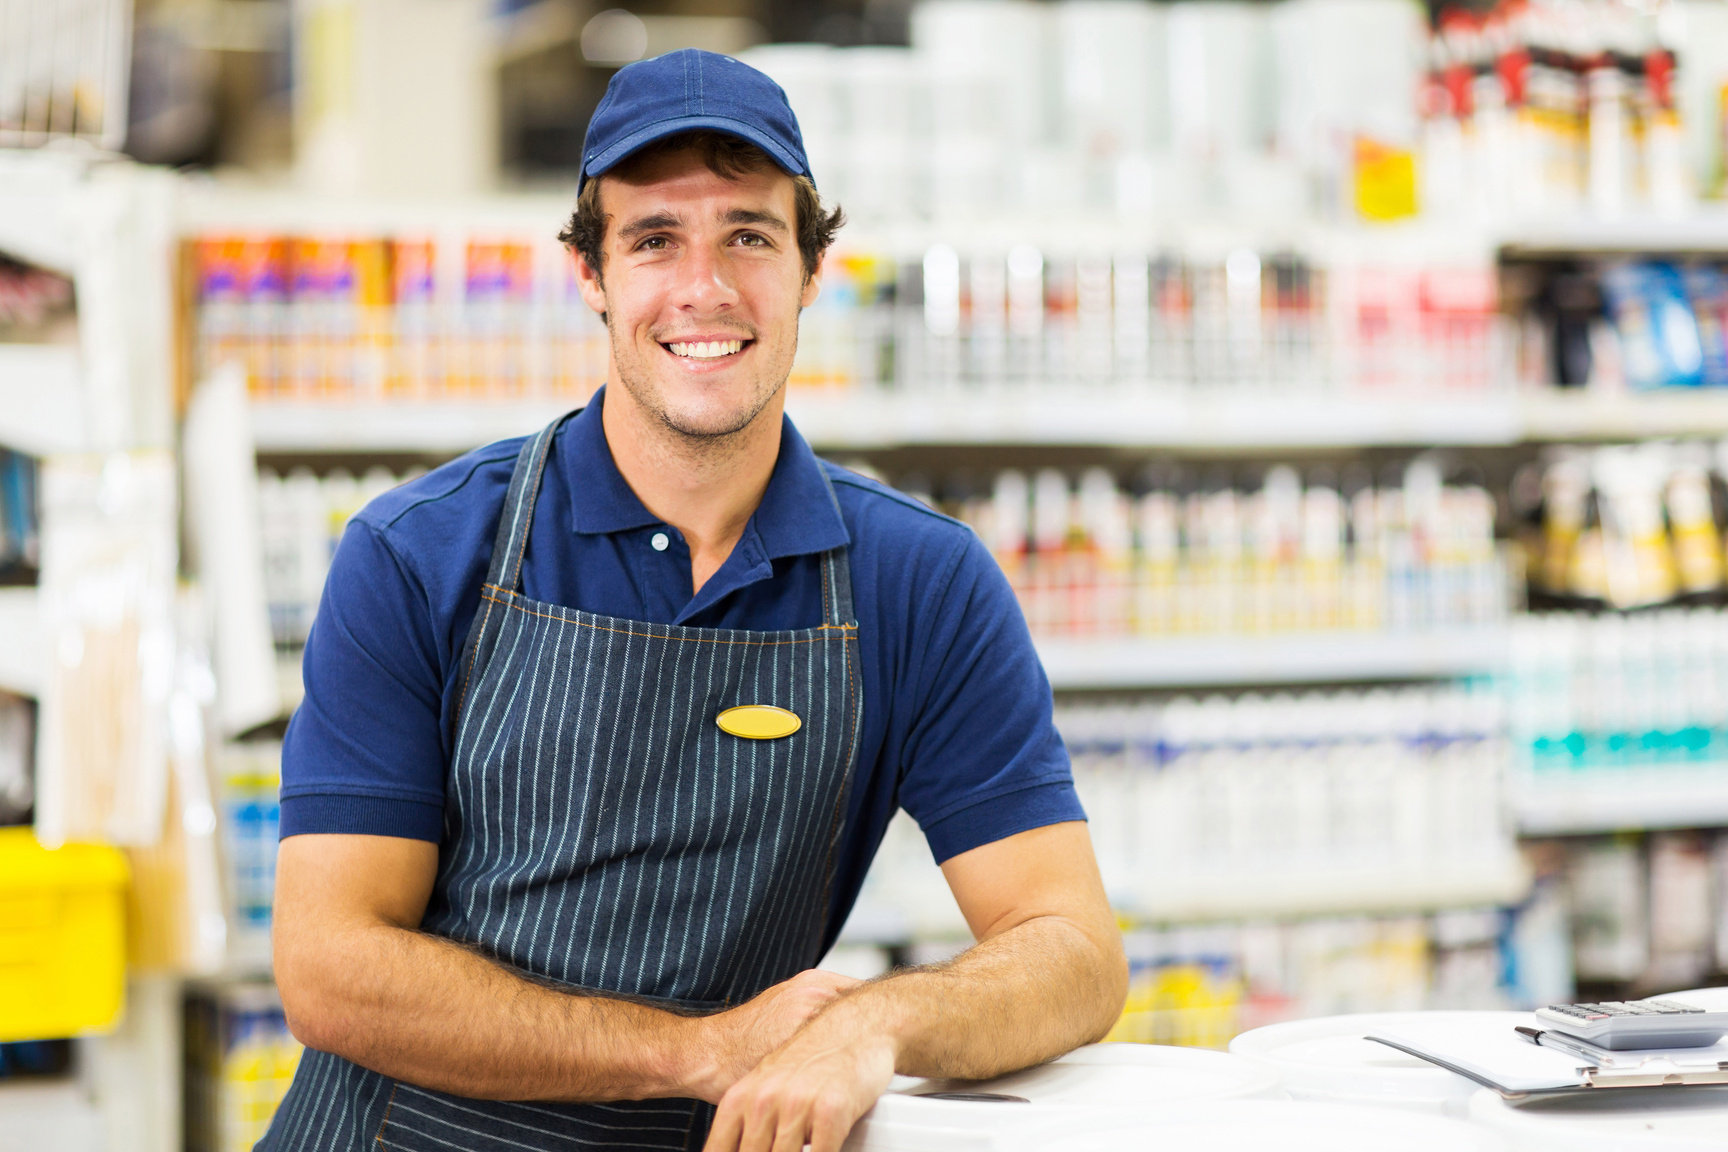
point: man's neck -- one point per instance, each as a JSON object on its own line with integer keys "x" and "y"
{"x": 705, "y": 488}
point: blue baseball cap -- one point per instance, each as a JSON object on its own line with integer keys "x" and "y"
{"x": 684, "y": 91}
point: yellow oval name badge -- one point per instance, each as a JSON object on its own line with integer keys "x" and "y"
{"x": 758, "y": 722}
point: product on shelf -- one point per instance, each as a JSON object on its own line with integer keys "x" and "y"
{"x": 334, "y": 318}
{"x": 1606, "y": 693}
{"x": 1648, "y": 912}
{"x": 239, "y": 1060}
{"x": 1623, "y": 325}
{"x": 20, "y": 534}
{"x": 1240, "y": 319}
{"x": 1331, "y": 785}
{"x": 1203, "y": 985}
{"x": 1189, "y": 554}
{"x": 1280, "y": 803}
{"x": 1538, "y": 108}
{"x": 251, "y": 820}
{"x": 1625, "y": 526}
{"x": 302, "y": 517}
{"x": 1128, "y": 108}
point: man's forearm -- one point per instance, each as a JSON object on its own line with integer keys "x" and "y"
{"x": 1032, "y": 993}
{"x": 420, "y": 1008}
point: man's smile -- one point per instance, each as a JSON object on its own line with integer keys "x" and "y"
{"x": 710, "y": 349}
{"x": 705, "y": 349}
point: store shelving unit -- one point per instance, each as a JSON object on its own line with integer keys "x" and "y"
{"x": 1224, "y": 418}
{"x": 1229, "y": 420}
{"x": 1576, "y": 414}
{"x": 1665, "y": 796}
{"x": 440, "y": 429}
{"x": 1292, "y": 658}
{"x": 22, "y": 658}
{"x": 1232, "y": 421}
{"x": 918, "y": 905}
{"x": 1704, "y": 229}
{"x": 40, "y": 404}
{"x": 1368, "y": 889}
{"x": 104, "y": 223}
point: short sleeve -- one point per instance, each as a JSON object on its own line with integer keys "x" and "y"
{"x": 364, "y": 751}
{"x": 982, "y": 759}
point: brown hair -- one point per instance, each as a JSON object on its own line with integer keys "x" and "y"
{"x": 725, "y": 156}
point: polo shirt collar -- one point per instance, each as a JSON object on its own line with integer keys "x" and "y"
{"x": 797, "y": 516}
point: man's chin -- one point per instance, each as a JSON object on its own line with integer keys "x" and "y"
{"x": 710, "y": 422}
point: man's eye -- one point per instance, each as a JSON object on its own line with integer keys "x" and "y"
{"x": 752, "y": 240}
{"x": 654, "y": 244}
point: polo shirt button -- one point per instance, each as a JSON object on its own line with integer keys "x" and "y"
{"x": 660, "y": 540}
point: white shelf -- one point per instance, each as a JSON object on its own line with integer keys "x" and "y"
{"x": 925, "y": 909}
{"x": 1243, "y": 419}
{"x": 23, "y": 658}
{"x": 1579, "y": 415}
{"x": 362, "y": 428}
{"x": 41, "y": 409}
{"x": 1654, "y": 796}
{"x": 1297, "y": 657}
{"x": 1391, "y": 888}
{"x": 1703, "y": 230}
{"x": 1125, "y": 417}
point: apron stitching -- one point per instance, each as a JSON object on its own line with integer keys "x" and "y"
{"x": 827, "y": 612}
{"x": 385, "y": 1123}
{"x": 845, "y": 782}
{"x": 681, "y": 639}
{"x": 468, "y": 673}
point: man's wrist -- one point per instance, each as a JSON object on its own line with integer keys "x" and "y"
{"x": 688, "y": 1061}
{"x": 870, "y": 1013}
{"x": 656, "y": 1055}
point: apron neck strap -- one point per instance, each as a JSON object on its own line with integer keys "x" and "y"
{"x": 511, "y": 542}
{"x": 836, "y": 571}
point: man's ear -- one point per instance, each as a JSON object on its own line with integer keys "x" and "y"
{"x": 812, "y": 287}
{"x": 588, "y": 280}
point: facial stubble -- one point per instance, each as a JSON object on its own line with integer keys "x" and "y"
{"x": 709, "y": 442}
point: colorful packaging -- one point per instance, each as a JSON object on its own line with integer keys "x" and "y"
{"x": 1659, "y": 338}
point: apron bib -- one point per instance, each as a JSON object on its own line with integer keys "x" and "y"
{"x": 603, "y": 832}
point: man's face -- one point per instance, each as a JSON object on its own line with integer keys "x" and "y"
{"x": 701, "y": 287}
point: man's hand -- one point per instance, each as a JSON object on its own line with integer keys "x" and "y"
{"x": 737, "y": 1040}
{"x": 1047, "y": 976}
{"x": 811, "y": 1091}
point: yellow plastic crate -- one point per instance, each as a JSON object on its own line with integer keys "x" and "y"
{"x": 62, "y": 937}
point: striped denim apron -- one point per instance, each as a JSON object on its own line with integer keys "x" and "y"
{"x": 602, "y": 832}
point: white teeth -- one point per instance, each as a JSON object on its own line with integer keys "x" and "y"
{"x": 706, "y": 349}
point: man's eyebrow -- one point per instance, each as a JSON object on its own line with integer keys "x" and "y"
{"x": 754, "y": 216}
{"x": 653, "y": 223}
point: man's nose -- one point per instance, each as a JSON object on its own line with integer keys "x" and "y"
{"x": 705, "y": 281}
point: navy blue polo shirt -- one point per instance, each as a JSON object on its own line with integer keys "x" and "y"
{"x": 957, "y": 711}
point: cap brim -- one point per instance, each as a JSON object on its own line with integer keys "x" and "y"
{"x": 661, "y": 129}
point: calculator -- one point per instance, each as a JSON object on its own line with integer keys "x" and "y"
{"x": 1619, "y": 1025}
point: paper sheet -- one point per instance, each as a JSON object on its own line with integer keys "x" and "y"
{"x": 1489, "y": 1052}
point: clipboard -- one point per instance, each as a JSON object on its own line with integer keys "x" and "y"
{"x": 1541, "y": 1063}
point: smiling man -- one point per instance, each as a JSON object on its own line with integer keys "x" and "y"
{"x": 602, "y": 728}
